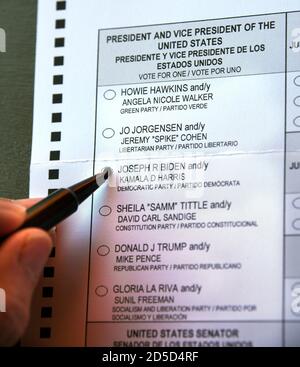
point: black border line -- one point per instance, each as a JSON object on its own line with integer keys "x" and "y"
{"x": 284, "y": 190}
{"x": 92, "y": 200}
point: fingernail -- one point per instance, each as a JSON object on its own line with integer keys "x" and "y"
{"x": 35, "y": 252}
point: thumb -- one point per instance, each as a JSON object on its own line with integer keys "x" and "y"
{"x": 22, "y": 258}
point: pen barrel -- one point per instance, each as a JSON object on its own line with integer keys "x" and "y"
{"x": 48, "y": 212}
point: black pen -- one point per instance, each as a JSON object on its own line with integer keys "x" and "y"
{"x": 56, "y": 207}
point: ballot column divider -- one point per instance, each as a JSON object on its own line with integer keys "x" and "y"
{"x": 292, "y": 235}
{"x": 92, "y": 200}
{"x": 284, "y": 188}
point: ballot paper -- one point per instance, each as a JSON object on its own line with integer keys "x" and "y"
{"x": 195, "y": 239}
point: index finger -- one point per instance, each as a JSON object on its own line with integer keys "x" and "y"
{"x": 12, "y": 215}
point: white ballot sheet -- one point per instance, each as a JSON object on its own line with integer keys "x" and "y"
{"x": 195, "y": 240}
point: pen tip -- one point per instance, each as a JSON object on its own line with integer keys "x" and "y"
{"x": 107, "y": 172}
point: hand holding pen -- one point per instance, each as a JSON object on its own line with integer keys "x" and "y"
{"x": 25, "y": 247}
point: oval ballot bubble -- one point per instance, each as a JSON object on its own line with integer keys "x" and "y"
{"x": 295, "y": 304}
{"x": 297, "y": 121}
{"x": 108, "y": 133}
{"x": 103, "y": 250}
{"x": 101, "y": 291}
{"x": 296, "y": 224}
{"x": 105, "y": 210}
{"x": 109, "y": 94}
{"x": 297, "y": 81}
{"x": 296, "y": 203}
{"x": 297, "y": 101}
